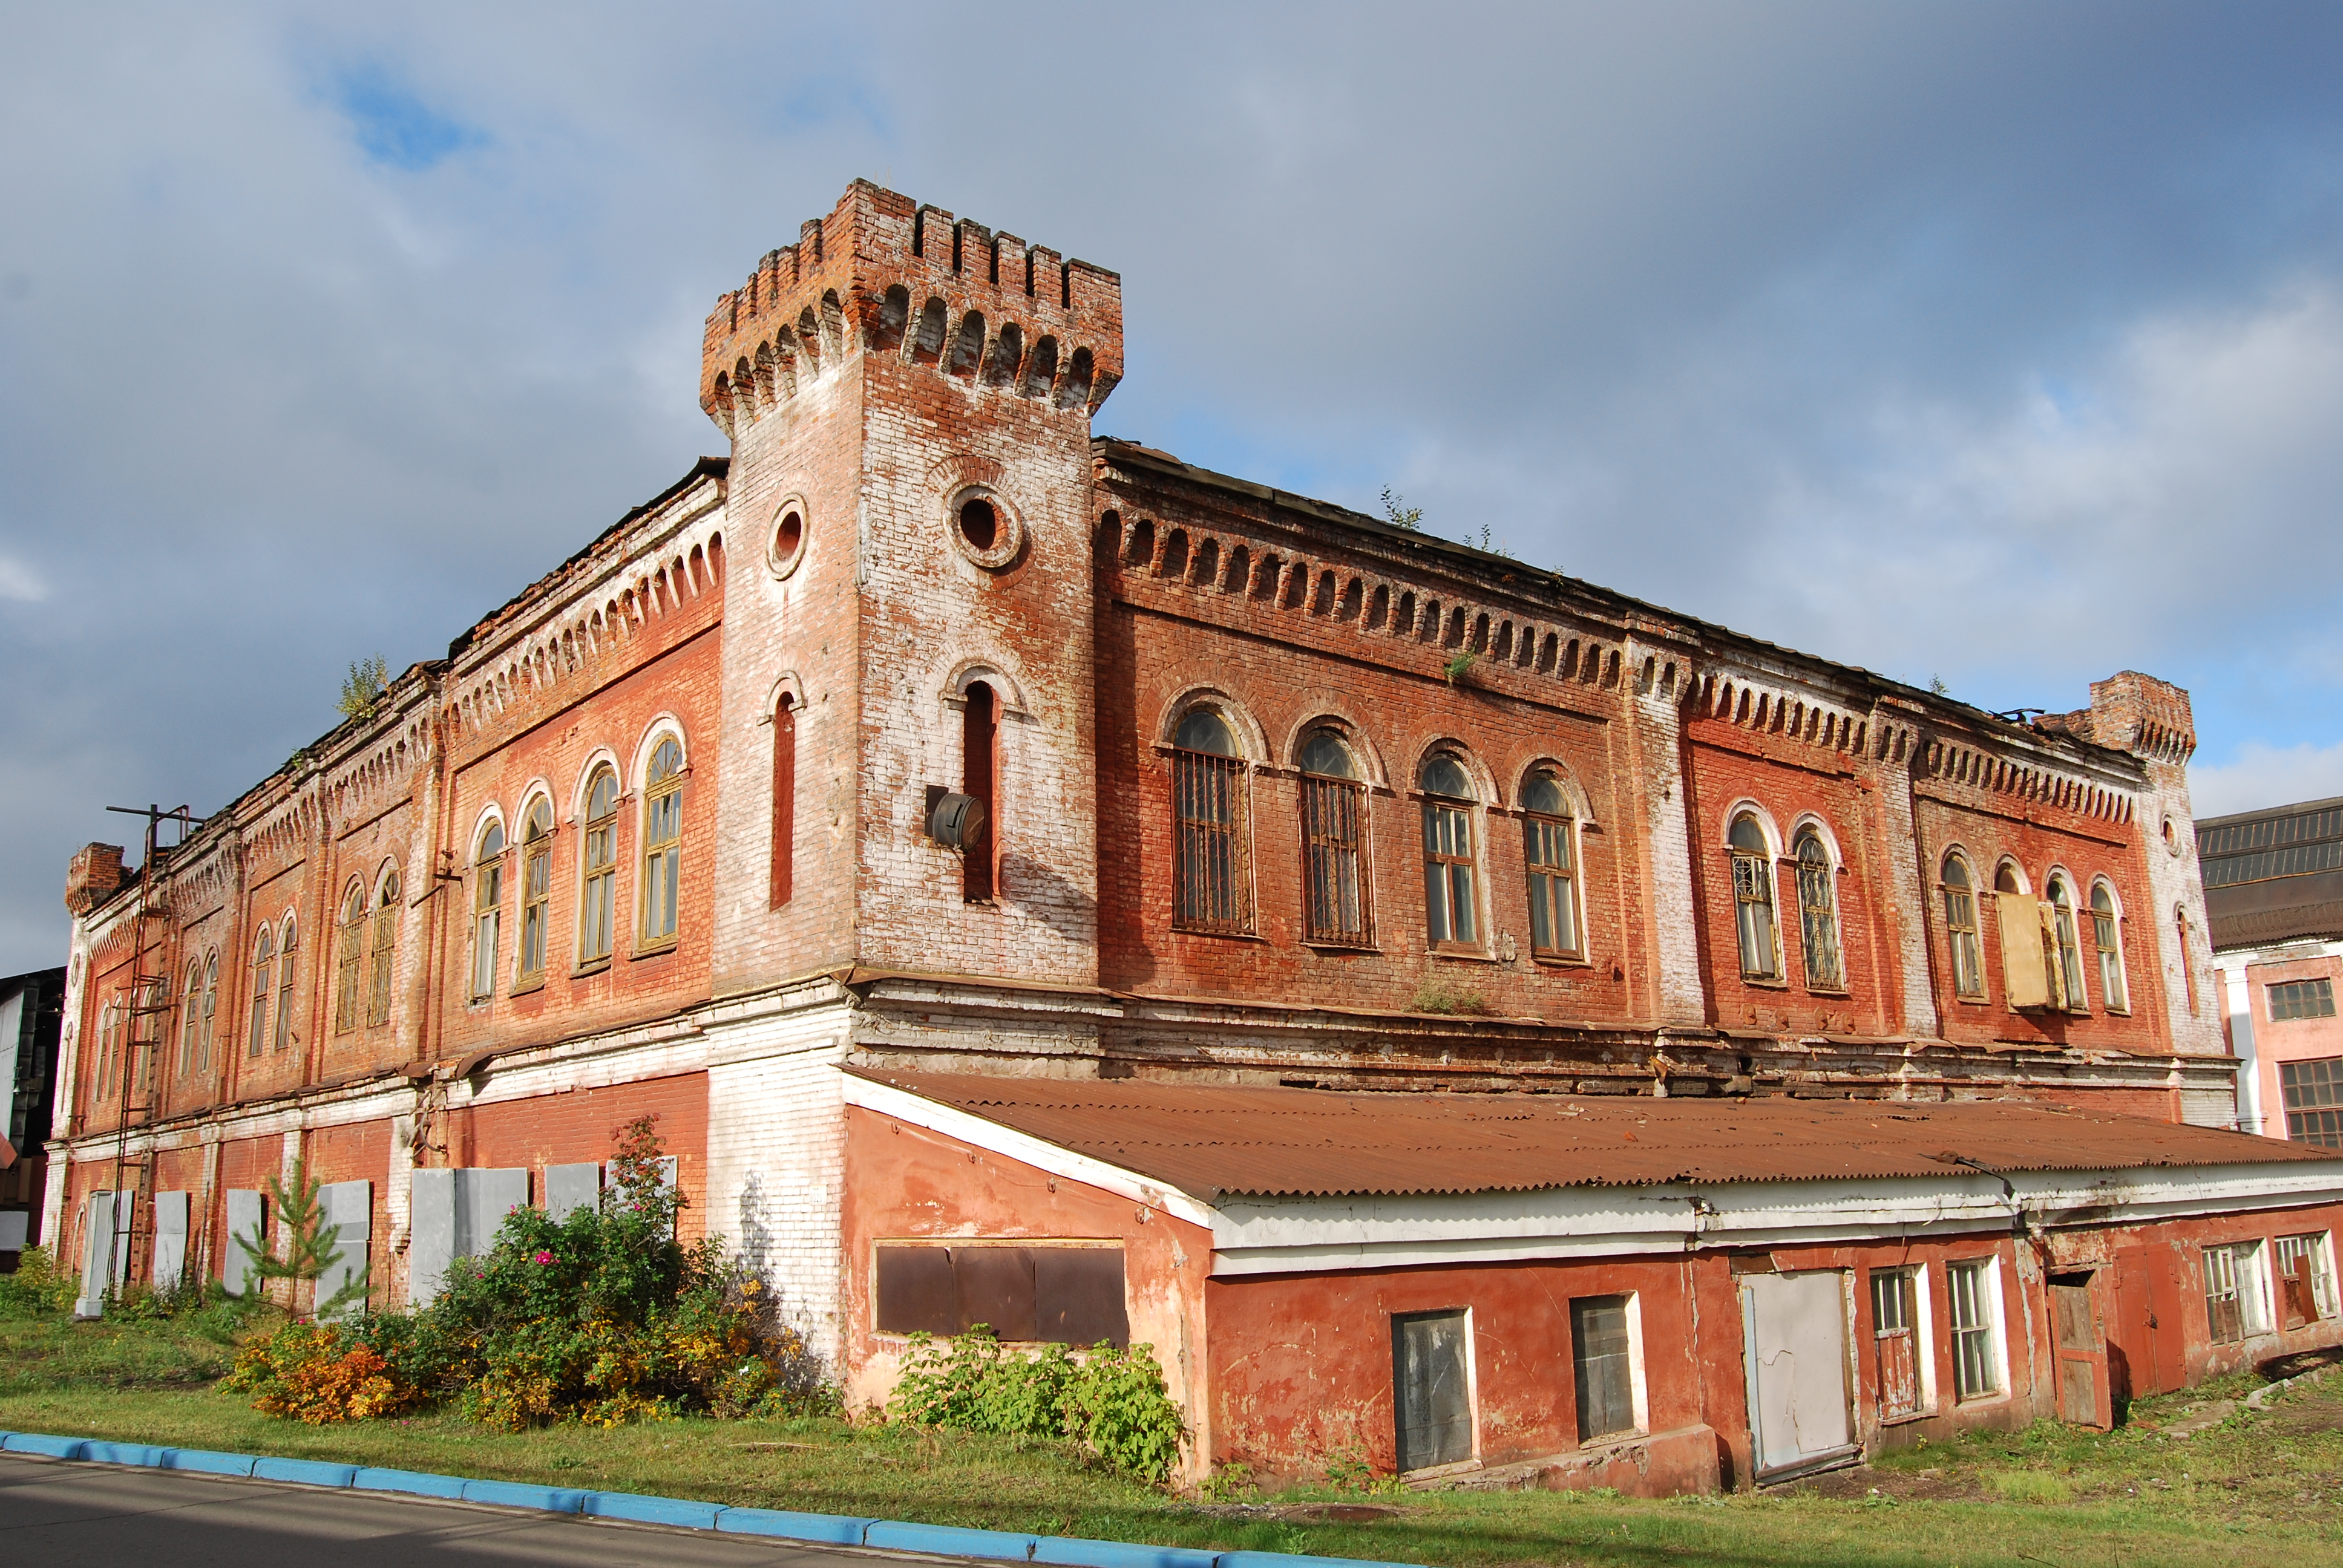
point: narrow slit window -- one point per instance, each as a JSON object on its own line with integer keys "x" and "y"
{"x": 1547, "y": 833}
{"x": 981, "y": 764}
{"x": 1753, "y": 899}
{"x": 1449, "y": 907}
{"x": 264, "y": 968}
{"x": 1335, "y": 908}
{"x": 536, "y": 886}
{"x": 785, "y": 801}
{"x": 598, "y": 867}
{"x": 1818, "y": 914}
{"x": 190, "y": 1017}
{"x": 662, "y": 843}
{"x": 1211, "y": 880}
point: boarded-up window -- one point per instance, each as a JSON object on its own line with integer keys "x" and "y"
{"x": 2304, "y": 1281}
{"x": 2024, "y": 974}
{"x": 2234, "y": 1307}
{"x": 1431, "y": 1395}
{"x": 1060, "y": 1295}
{"x": 1895, "y": 1341}
{"x": 1604, "y": 1366}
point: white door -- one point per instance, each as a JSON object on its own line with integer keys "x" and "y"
{"x": 1794, "y": 1332}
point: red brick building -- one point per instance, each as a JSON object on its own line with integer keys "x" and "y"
{"x": 927, "y": 735}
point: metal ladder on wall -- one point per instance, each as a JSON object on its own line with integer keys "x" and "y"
{"x": 149, "y": 1032}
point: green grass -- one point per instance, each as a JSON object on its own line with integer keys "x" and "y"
{"x": 2269, "y": 1489}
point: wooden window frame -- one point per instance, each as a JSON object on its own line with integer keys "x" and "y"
{"x": 349, "y": 971}
{"x": 264, "y": 990}
{"x": 287, "y": 948}
{"x": 382, "y": 953}
{"x": 1553, "y": 884}
{"x": 488, "y": 909}
{"x": 532, "y": 954}
{"x": 2066, "y": 937}
{"x": 1906, "y": 1335}
{"x": 1211, "y": 859}
{"x": 1337, "y": 861}
{"x": 1975, "y": 1315}
{"x": 1819, "y": 921}
{"x": 1963, "y": 940}
{"x": 597, "y": 872}
{"x": 659, "y": 898}
{"x": 783, "y": 868}
{"x": 2106, "y": 941}
{"x": 211, "y": 1011}
{"x": 1756, "y": 908}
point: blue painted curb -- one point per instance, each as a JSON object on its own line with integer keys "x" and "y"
{"x": 828, "y": 1529}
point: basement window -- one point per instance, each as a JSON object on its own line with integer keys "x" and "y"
{"x": 2306, "y": 1279}
{"x": 2233, "y": 1304}
{"x": 1066, "y": 1294}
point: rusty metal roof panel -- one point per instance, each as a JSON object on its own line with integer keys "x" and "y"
{"x": 1211, "y": 1141}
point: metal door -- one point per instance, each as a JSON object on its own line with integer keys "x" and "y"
{"x": 1795, "y": 1339}
{"x": 2084, "y": 1396}
{"x": 1432, "y": 1405}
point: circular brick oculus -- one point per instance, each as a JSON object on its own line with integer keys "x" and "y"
{"x": 983, "y": 526}
{"x": 785, "y": 547}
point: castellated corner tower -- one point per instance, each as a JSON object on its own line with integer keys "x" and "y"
{"x": 909, "y": 399}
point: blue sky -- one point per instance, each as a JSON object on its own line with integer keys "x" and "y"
{"x": 2000, "y": 343}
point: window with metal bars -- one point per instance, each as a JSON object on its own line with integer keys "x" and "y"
{"x": 1554, "y": 886}
{"x": 662, "y": 843}
{"x": 535, "y": 888}
{"x": 2233, "y": 1293}
{"x": 1895, "y": 1346}
{"x": 352, "y": 963}
{"x": 1961, "y": 930}
{"x": 2314, "y": 1101}
{"x": 1335, "y": 905}
{"x": 1451, "y": 907}
{"x": 264, "y": 967}
{"x": 1976, "y": 1352}
{"x": 1818, "y": 914}
{"x": 2291, "y": 999}
{"x": 386, "y": 949}
{"x": 1210, "y": 878}
{"x": 598, "y": 867}
{"x": 1753, "y": 899}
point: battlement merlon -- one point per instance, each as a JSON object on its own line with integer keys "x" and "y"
{"x": 883, "y": 274}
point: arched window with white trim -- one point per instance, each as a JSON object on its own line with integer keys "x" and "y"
{"x": 598, "y": 867}
{"x": 662, "y": 843}
{"x": 1451, "y": 904}
{"x": 287, "y": 945}
{"x": 1548, "y": 831}
{"x": 2069, "y": 971}
{"x": 2107, "y": 935}
{"x": 350, "y": 968}
{"x": 1753, "y": 899}
{"x": 535, "y": 888}
{"x": 488, "y": 907}
{"x": 1819, "y": 913}
{"x": 1212, "y": 881}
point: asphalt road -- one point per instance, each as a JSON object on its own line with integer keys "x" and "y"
{"x": 65, "y": 1515}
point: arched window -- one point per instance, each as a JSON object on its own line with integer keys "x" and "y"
{"x": 1961, "y": 930}
{"x": 598, "y": 867}
{"x": 662, "y": 843}
{"x": 2068, "y": 969}
{"x": 1554, "y": 886}
{"x": 109, "y": 1031}
{"x": 536, "y": 886}
{"x": 2107, "y": 937}
{"x": 981, "y": 764}
{"x": 211, "y": 1011}
{"x": 286, "y": 945}
{"x": 263, "y": 970}
{"x": 190, "y": 1015}
{"x": 1449, "y": 902}
{"x": 1819, "y": 913}
{"x": 785, "y": 799}
{"x": 1753, "y": 899}
{"x": 385, "y": 949}
{"x": 488, "y": 907}
{"x": 352, "y": 962}
{"x": 1210, "y": 888}
{"x": 1333, "y": 843}
{"x": 2187, "y": 969}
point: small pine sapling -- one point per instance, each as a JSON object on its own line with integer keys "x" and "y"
{"x": 311, "y": 1247}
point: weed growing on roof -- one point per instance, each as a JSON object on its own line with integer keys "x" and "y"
{"x": 1112, "y": 1402}
{"x": 1438, "y": 996}
{"x": 601, "y": 1317}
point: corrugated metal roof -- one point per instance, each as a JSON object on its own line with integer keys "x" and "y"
{"x": 1210, "y": 1141}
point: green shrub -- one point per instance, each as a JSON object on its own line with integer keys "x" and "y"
{"x": 600, "y": 1317}
{"x": 1438, "y": 996}
{"x": 1112, "y": 1402}
{"x": 38, "y": 1288}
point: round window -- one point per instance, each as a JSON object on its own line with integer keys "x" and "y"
{"x": 983, "y": 528}
{"x": 787, "y": 546}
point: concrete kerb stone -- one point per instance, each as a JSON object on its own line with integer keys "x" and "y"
{"x": 826, "y": 1529}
